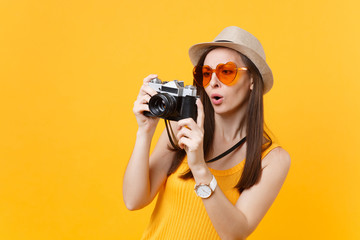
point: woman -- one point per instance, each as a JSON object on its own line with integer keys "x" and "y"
{"x": 232, "y": 194}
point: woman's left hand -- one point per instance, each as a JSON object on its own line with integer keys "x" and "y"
{"x": 191, "y": 137}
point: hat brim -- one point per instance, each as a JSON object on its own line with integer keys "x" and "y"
{"x": 197, "y": 50}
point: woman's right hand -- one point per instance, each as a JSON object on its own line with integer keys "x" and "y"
{"x": 146, "y": 124}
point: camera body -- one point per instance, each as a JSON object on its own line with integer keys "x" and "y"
{"x": 173, "y": 100}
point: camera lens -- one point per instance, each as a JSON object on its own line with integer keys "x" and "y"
{"x": 162, "y": 105}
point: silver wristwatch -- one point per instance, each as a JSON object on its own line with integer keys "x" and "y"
{"x": 206, "y": 190}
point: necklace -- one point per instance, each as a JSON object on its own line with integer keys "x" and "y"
{"x": 240, "y": 143}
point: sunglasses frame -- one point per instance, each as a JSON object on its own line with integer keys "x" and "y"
{"x": 216, "y": 71}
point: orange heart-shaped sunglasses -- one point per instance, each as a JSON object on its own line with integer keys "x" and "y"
{"x": 226, "y": 73}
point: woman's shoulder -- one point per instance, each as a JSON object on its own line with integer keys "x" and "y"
{"x": 276, "y": 155}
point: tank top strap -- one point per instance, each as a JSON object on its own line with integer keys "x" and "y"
{"x": 272, "y": 146}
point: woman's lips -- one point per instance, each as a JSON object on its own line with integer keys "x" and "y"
{"x": 216, "y": 99}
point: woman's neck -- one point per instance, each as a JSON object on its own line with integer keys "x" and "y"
{"x": 228, "y": 127}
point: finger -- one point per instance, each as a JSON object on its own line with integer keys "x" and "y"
{"x": 144, "y": 99}
{"x": 140, "y": 108}
{"x": 200, "y": 112}
{"x": 184, "y": 143}
{"x": 149, "y": 78}
{"x": 146, "y": 90}
{"x": 184, "y": 132}
{"x": 149, "y": 90}
{"x": 187, "y": 122}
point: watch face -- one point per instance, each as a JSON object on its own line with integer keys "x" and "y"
{"x": 203, "y": 191}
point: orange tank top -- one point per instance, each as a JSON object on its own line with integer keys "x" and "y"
{"x": 180, "y": 214}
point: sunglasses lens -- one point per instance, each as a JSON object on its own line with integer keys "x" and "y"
{"x": 197, "y": 72}
{"x": 206, "y": 74}
{"x": 226, "y": 72}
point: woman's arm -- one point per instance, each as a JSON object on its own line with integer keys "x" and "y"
{"x": 144, "y": 175}
{"x": 239, "y": 221}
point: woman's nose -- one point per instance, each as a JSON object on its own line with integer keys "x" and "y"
{"x": 214, "y": 81}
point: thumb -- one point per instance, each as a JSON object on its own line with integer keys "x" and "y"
{"x": 200, "y": 112}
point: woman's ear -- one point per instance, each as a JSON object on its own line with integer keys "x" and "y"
{"x": 251, "y": 84}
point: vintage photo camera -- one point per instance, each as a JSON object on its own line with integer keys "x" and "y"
{"x": 174, "y": 101}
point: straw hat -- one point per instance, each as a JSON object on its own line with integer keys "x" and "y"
{"x": 243, "y": 42}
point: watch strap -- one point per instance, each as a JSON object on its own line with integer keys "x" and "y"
{"x": 213, "y": 183}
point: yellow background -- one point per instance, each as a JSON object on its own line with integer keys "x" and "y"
{"x": 70, "y": 72}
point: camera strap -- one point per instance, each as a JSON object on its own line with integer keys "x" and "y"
{"x": 239, "y": 144}
{"x": 172, "y": 136}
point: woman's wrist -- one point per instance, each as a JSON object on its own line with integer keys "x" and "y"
{"x": 201, "y": 173}
{"x": 145, "y": 132}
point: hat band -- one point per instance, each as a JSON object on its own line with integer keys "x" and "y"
{"x": 223, "y": 41}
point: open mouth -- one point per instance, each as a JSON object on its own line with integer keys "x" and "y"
{"x": 217, "y": 97}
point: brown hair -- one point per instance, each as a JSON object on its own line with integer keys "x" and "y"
{"x": 257, "y": 139}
